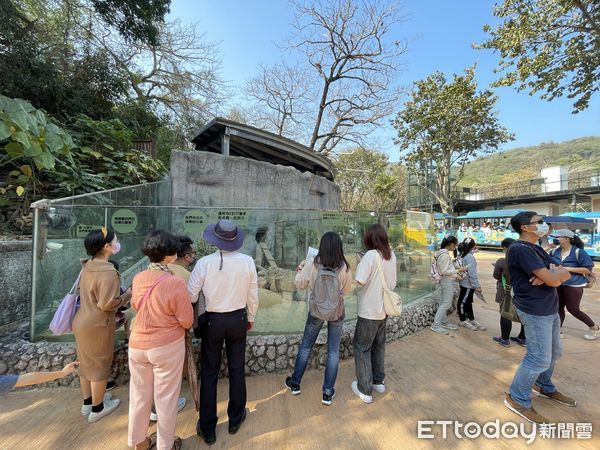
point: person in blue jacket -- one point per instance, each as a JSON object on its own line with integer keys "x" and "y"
{"x": 571, "y": 255}
{"x": 469, "y": 285}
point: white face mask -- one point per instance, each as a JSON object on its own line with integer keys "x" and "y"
{"x": 542, "y": 229}
{"x": 116, "y": 248}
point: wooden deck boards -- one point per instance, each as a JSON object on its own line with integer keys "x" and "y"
{"x": 462, "y": 376}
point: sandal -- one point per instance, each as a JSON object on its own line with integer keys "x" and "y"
{"x": 177, "y": 443}
{"x": 152, "y": 441}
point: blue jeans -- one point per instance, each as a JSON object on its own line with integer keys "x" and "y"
{"x": 334, "y": 336}
{"x": 543, "y": 349}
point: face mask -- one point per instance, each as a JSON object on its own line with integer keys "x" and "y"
{"x": 116, "y": 248}
{"x": 542, "y": 229}
{"x": 475, "y": 250}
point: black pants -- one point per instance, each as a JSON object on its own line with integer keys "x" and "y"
{"x": 506, "y": 328}
{"x": 369, "y": 353}
{"x": 228, "y": 328}
{"x": 465, "y": 304}
{"x": 570, "y": 298}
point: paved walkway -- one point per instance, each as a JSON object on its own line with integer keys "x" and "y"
{"x": 429, "y": 377}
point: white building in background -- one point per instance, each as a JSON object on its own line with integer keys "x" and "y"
{"x": 556, "y": 179}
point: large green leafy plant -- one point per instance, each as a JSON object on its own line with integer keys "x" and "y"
{"x": 39, "y": 158}
{"x": 29, "y": 144}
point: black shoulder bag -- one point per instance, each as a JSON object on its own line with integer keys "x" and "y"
{"x": 507, "y": 307}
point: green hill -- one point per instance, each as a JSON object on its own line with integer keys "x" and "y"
{"x": 527, "y": 162}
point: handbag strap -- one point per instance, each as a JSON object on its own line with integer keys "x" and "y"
{"x": 76, "y": 285}
{"x": 147, "y": 294}
{"x": 506, "y": 272}
{"x": 380, "y": 267}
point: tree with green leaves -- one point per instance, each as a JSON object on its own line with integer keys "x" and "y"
{"x": 442, "y": 127}
{"x": 368, "y": 181}
{"x": 136, "y": 20}
{"x": 550, "y": 47}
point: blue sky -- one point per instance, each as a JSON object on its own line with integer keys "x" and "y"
{"x": 441, "y": 33}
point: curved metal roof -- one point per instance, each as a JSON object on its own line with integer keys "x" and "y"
{"x": 253, "y": 143}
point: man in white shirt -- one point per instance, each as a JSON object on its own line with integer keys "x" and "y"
{"x": 229, "y": 282}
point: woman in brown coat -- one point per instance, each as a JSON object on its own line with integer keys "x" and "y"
{"x": 94, "y": 323}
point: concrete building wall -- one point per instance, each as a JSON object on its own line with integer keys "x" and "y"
{"x": 545, "y": 208}
{"x": 595, "y": 202}
{"x": 210, "y": 179}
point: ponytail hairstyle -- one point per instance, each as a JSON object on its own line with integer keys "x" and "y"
{"x": 95, "y": 241}
{"x": 447, "y": 241}
{"x": 577, "y": 242}
{"x": 467, "y": 245}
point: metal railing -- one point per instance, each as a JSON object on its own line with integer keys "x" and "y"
{"x": 532, "y": 187}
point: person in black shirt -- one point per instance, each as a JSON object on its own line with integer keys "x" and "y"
{"x": 534, "y": 281}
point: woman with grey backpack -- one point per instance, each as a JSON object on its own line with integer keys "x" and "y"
{"x": 329, "y": 278}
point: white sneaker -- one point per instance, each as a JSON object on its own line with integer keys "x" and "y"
{"x": 181, "y": 402}
{"x": 109, "y": 406}
{"x": 467, "y": 324}
{"x": 439, "y": 329}
{"x": 363, "y": 397}
{"x": 86, "y": 409}
{"x": 478, "y": 325}
{"x": 379, "y": 387}
{"x": 449, "y": 326}
{"x": 592, "y": 334}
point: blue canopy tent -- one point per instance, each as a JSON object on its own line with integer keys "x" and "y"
{"x": 442, "y": 216}
{"x": 570, "y": 222}
{"x": 491, "y": 214}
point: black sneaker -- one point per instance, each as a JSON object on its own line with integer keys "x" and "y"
{"x": 110, "y": 385}
{"x": 327, "y": 399}
{"x": 295, "y": 388}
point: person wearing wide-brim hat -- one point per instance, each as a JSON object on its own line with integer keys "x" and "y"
{"x": 228, "y": 280}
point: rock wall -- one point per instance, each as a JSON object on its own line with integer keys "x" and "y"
{"x": 210, "y": 179}
{"x": 264, "y": 354}
{"x": 15, "y": 282}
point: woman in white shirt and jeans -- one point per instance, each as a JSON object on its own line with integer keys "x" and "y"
{"x": 369, "y": 335}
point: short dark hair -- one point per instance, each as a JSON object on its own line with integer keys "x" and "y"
{"x": 507, "y": 242}
{"x": 449, "y": 240}
{"x": 95, "y": 241}
{"x": 159, "y": 244}
{"x": 520, "y": 219}
{"x": 376, "y": 238}
{"x": 185, "y": 246}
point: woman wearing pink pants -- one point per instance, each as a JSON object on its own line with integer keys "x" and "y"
{"x": 157, "y": 345}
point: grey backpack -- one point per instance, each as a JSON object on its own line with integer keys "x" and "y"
{"x": 326, "y": 301}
